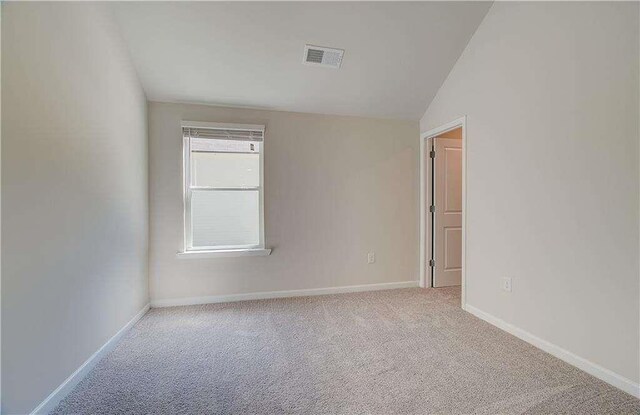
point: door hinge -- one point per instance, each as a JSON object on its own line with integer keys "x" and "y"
{"x": 432, "y": 263}
{"x": 432, "y": 154}
{"x": 432, "y": 208}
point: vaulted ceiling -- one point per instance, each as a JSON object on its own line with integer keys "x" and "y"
{"x": 250, "y": 54}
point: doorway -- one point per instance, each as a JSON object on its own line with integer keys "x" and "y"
{"x": 443, "y": 206}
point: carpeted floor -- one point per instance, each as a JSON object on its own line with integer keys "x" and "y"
{"x": 409, "y": 351}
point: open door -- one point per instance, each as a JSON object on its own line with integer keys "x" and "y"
{"x": 447, "y": 216}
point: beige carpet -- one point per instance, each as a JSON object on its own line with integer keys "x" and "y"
{"x": 407, "y": 351}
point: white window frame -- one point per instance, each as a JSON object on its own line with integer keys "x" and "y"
{"x": 188, "y": 250}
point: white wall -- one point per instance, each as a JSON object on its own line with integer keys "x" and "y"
{"x": 551, "y": 95}
{"x": 74, "y": 194}
{"x": 335, "y": 188}
{"x": 0, "y": 214}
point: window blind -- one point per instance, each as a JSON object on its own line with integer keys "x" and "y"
{"x": 223, "y": 133}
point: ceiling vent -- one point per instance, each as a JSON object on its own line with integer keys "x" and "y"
{"x": 321, "y": 56}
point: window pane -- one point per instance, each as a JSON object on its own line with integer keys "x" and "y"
{"x": 225, "y": 169}
{"x": 225, "y": 218}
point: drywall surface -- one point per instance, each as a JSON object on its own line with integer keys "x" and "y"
{"x": 336, "y": 188}
{"x": 550, "y": 91}
{"x": 74, "y": 193}
{"x": 249, "y": 54}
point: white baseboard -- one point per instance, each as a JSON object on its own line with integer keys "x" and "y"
{"x": 591, "y": 368}
{"x": 67, "y": 386}
{"x": 170, "y": 302}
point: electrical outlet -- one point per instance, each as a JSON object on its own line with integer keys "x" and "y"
{"x": 371, "y": 257}
{"x": 506, "y": 284}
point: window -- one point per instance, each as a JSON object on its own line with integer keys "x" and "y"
{"x": 223, "y": 198}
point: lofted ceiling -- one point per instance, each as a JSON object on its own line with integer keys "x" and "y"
{"x": 249, "y": 54}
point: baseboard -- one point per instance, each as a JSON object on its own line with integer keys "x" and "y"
{"x": 67, "y": 386}
{"x": 170, "y": 302}
{"x": 591, "y": 368}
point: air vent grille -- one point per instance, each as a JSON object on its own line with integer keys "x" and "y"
{"x": 314, "y": 55}
{"x": 318, "y": 55}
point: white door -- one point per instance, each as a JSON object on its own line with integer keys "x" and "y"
{"x": 447, "y": 228}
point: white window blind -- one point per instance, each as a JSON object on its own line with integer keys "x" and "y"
{"x": 223, "y": 186}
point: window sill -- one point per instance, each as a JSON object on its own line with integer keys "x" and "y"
{"x": 223, "y": 253}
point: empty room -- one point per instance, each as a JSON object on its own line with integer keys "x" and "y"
{"x": 320, "y": 207}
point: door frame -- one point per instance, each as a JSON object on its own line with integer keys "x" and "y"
{"x": 425, "y": 178}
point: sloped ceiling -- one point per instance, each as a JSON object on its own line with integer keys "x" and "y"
{"x": 250, "y": 54}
